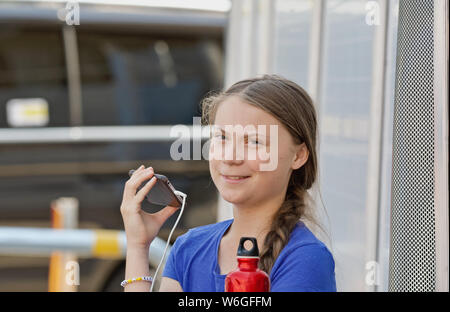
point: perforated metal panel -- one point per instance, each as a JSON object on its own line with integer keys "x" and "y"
{"x": 412, "y": 255}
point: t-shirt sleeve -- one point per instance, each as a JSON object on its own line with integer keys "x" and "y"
{"x": 305, "y": 268}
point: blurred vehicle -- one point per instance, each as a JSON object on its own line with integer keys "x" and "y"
{"x": 67, "y": 90}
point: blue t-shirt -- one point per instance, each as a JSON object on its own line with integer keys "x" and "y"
{"x": 304, "y": 264}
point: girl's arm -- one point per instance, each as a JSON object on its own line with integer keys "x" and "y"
{"x": 140, "y": 227}
{"x": 136, "y": 266}
{"x": 169, "y": 284}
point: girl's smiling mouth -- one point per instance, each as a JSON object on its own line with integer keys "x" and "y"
{"x": 234, "y": 179}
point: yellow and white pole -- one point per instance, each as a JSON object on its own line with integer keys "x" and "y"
{"x": 85, "y": 243}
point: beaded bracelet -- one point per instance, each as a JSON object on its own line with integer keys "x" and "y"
{"x": 143, "y": 278}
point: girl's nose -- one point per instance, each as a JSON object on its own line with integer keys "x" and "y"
{"x": 233, "y": 154}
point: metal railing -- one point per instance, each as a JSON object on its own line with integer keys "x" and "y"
{"x": 64, "y": 243}
{"x": 99, "y": 134}
{"x": 24, "y": 241}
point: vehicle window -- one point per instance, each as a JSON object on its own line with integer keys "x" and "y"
{"x": 140, "y": 79}
{"x": 32, "y": 74}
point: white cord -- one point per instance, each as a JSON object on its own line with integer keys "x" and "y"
{"x": 184, "y": 196}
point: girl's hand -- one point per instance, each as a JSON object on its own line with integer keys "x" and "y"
{"x": 141, "y": 227}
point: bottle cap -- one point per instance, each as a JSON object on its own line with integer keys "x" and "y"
{"x": 253, "y": 252}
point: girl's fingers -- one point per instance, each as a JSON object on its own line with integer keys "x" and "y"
{"x": 137, "y": 176}
{"x": 145, "y": 189}
{"x": 136, "y": 180}
{"x": 137, "y": 170}
{"x": 165, "y": 213}
{"x": 160, "y": 216}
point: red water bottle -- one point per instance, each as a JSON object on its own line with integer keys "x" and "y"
{"x": 247, "y": 278}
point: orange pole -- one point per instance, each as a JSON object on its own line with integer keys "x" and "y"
{"x": 56, "y": 276}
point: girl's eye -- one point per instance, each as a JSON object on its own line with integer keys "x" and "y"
{"x": 255, "y": 142}
{"x": 220, "y": 137}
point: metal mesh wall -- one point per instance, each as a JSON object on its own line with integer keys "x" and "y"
{"x": 412, "y": 264}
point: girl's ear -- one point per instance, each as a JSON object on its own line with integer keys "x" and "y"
{"x": 300, "y": 157}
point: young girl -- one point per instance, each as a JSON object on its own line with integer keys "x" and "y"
{"x": 270, "y": 205}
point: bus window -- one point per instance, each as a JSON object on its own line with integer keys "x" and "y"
{"x": 142, "y": 79}
{"x": 32, "y": 72}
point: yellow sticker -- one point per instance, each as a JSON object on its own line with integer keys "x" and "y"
{"x": 106, "y": 244}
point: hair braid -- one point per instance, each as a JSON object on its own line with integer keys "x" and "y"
{"x": 283, "y": 223}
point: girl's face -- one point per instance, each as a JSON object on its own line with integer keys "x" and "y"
{"x": 235, "y": 163}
